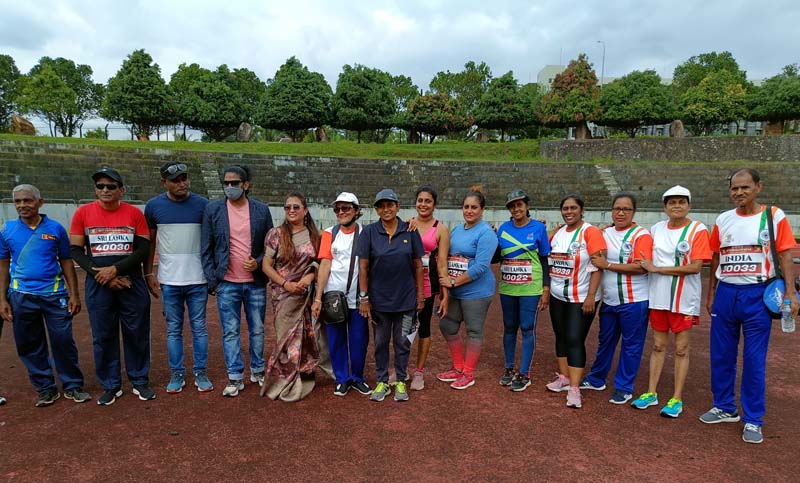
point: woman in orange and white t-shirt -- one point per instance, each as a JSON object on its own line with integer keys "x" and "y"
{"x": 574, "y": 283}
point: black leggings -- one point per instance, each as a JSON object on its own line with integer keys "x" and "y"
{"x": 571, "y": 327}
{"x": 425, "y": 318}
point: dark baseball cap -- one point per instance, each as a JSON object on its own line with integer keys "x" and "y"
{"x": 107, "y": 172}
{"x": 386, "y": 194}
{"x": 515, "y": 195}
{"x": 171, "y": 171}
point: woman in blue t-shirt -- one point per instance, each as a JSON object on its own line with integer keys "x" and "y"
{"x": 524, "y": 285}
{"x": 472, "y": 286}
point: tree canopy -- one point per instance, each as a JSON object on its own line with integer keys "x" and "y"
{"x": 719, "y": 98}
{"x": 693, "y": 71}
{"x": 436, "y": 114}
{"x": 635, "y": 100}
{"x": 61, "y": 92}
{"x": 574, "y": 97}
{"x": 137, "y": 95}
{"x": 363, "y": 99}
{"x": 296, "y": 99}
{"x": 503, "y": 106}
{"x": 466, "y": 86}
{"x": 9, "y": 81}
{"x": 778, "y": 98}
{"x": 215, "y": 102}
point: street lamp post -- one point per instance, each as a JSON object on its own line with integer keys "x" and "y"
{"x": 603, "y": 64}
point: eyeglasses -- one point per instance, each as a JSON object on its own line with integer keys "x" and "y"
{"x": 292, "y": 207}
{"x": 622, "y": 209}
{"x": 172, "y": 169}
{"x": 109, "y": 187}
{"x": 342, "y": 209}
{"x": 235, "y": 182}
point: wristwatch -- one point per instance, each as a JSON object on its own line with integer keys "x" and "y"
{"x": 452, "y": 283}
{"x": 363, "y": 295}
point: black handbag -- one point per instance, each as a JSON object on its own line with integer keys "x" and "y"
{"x": 334, "y": 303}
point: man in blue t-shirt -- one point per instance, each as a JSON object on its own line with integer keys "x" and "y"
{"x": 35, "y": 261}
{"x": 175, "y": 219}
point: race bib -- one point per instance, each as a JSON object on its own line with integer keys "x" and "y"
{"x": 426, "y": 262}
{"x": 110, "y": 241}
{"x": 562, "y": 265}
{"x": 516, "y": 271}
{"x": 741, "y": 260}
{"x": 456, "y": 265}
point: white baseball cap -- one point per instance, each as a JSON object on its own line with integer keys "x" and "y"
{"x": 677, "y": 190}
{"x": 346, "y": 197}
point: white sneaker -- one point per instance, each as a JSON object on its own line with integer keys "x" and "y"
{"x": 233, "y": 388}
{"x": 257, "y": 377}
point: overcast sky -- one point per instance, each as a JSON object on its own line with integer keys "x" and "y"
{"x": 415, "y": 38}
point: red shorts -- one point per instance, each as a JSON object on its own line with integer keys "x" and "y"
{"x": 665, "y": 321}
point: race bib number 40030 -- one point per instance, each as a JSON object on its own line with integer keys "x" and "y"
{"x": 740, "y": 261}
{"x": 516, "y": 271}
{"x": 110, "y": 241}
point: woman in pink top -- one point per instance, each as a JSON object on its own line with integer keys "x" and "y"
{"x": 435, "y": 240}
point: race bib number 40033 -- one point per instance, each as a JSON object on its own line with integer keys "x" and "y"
{"x": 740, "y": 261}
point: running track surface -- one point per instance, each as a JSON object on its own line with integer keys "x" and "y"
{"x": 485, "y": 433}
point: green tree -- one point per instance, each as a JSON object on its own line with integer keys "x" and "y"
{"x": 719, "y": 98}
{"x": 296, "y": 99}
{"x": 363, "y": 100}
{"x": 9, "y": 81}
{"x": 466, "y": 86}
{"x": 503, "y": 106}
{"x": 138, "y": 96}
{"x": 777, "y": 99}
{"x": 436, "y": 114}
{"x": 693, "y": 71}
{"x": 573, "y": 99}
{"x": 61, "y": 92}
{"x": 635, "y": 100}
{"x": 216, "y": 102}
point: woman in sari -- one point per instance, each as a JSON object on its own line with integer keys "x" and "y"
{"x": 290, "y": 254}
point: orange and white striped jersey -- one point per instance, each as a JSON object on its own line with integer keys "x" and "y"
{"x": 626, "y": 246}
{"x": 570, "y": 261}
{"x": 742, "y": 242}
{"x": 677, "y": 247}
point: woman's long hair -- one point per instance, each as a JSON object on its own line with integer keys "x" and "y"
{"x": 286, "y": 251}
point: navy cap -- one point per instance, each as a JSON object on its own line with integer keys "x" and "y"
{"x": 107, "y": 172}
{"x": 386, "y": 194}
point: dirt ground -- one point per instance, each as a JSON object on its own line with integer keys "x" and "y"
{"x": 485, "y": 433}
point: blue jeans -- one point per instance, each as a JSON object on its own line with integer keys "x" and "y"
{"x": 230, "y": 298}
{"x": 194, "y": 298}
{"x": 628, "y": 321}
{"x": 35, "y": 318}
{"x": 519, "y": 313}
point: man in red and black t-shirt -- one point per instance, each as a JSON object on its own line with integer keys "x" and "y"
{"x": 110, "y": 240}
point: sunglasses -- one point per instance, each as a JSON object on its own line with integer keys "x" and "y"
{"x": 175, "y": 168}
{"x": 236, "y": 182}
{"x": 292, "y": 207}
{"x": 109, "y": 187}
{"x": 342, "y": 209}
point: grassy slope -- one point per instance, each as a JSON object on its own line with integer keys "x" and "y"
{"x": 459, "y": 151}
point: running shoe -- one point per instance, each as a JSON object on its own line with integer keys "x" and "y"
{"x": 176, "y": 383}
{"x": 202, "y": 382}
{"x": 257, "y": 377}
{"x": 507, "y": 378}
{"x": 574, "y": 397}
{"x": 585, "y": 384}
{"x": 620, "y": 397}
{"x": 646, "y": 400}
{"x": 716, "y": 415}
{"x": 77, "y": 394}
{"x": 673, "y": 409}
{"x": 47, "y": 397}
{"x": 463, "y": 382}
{"x": 400, "y": 391}
{"x": 341, "y": 389}
{"x": 233, "y": 388}
{"x": 109, "y": 396}
{"x": 449, "y": 375}
{"x": 144, "y": 392}
{"x": 2, "y": 400}
{"x": 381, "y": 391}
{"x": 418, "y": 380}
{"x": 520, "y": 383}
{"x": 560, "y": 383}
{"x": 361, "y": 387}
{"x": 752, "y": 434}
